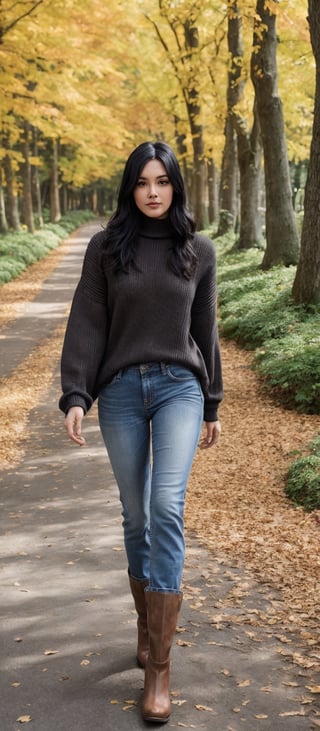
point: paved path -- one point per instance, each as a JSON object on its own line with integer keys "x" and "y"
{"x": 67, "y": 621}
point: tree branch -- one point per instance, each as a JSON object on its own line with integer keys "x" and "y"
{"x": 5, "y": 29}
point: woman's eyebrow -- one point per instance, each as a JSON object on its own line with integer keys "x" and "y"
{"x": 141, "y": 177}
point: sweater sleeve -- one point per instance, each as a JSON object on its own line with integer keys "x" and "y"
{"x": 86, "y": 333}
{"x": 204, "y": 330}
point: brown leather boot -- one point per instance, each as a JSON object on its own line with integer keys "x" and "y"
{"x": 137, "y": 590}
{"x": 163, "y": 610}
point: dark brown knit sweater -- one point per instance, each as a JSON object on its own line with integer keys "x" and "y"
{"x": 149, "y": 314}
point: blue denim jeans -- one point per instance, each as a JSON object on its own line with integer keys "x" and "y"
{"x": 150, "y": 419}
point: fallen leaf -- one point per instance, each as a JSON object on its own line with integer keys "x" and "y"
{"x": 203, "y": 708}
{"x": 291, "y": 683}
{"x": 24, "y": 719}
{"x": 261, "y": 716}
{"x": 85, "y": 662}
{"x": 15, "y": 685}
{"x": 313, "y": 688}
{"x": 51, "y": 652}
{"x": 184, "y": 643}
{"x": 244, "y": 683}
{"x": 178, "y": 703}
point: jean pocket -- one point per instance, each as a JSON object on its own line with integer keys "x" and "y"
{"x": 179, "y": 373}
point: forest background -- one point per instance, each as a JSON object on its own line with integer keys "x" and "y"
{"x": 233, "y": 87}
{"x": 80, "y": 89}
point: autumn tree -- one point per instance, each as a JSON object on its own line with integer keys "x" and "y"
{"x": 76, "y": 109}
{"x": 183, "y": 53}
{"x": 281, "y": 228}
{"x": 306, "y": 286}
{"x": 248, "y": 140}
{"x": 11, "y": 16}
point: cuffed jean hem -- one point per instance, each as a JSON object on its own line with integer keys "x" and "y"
{"x": 163, "y": 591}
{"x": 136, "y": 578}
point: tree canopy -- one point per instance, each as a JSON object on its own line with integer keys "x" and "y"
{"x": 104, "y": 77}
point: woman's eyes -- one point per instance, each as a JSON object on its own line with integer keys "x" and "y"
{"x": 142, "y": 183}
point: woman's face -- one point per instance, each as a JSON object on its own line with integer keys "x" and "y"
{"x": 153, "y": 192}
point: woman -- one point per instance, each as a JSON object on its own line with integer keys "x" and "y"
{"x": 142, "y": 337}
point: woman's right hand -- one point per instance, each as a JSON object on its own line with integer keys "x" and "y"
{"x": 73, "y": 423}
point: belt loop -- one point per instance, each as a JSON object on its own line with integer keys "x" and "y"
{"x": 163, "y": 367}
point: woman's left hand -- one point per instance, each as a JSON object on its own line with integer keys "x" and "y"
{"x": 213, "y": 433}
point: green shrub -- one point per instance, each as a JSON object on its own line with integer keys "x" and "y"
{"x": 10, "y": 268}
{"x": 256, "y": 309}
{"x": 19, "y": 249}
{"x": 303, "y": 482}
{"x": 58, "y": 229}
{"x": 291, "y": 365}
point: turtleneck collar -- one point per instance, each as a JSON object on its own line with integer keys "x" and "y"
{"x": 155, "y": 228}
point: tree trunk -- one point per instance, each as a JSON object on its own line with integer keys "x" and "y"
{"x": 12, "y": 209}
{"x": 26, "y": 181}
{"x": 249, "y": 144}
{"x": 182, "y": 149}
{"x": 36, "y": 180}
{"x": 213, "y": 202}
{"x": 249, "y": 159}
{"x": 3, "y": 219}
{"x": 306, "y": 286}
{"x": 55, "y": 213}
{"x": 64, "y": 198}
{"x": 281, "y": 227}
{"x": 101, "y": 200}
{"x": 194, "y": 114}
{"x": 228, "y": 186}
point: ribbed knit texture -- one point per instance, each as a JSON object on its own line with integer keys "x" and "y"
{"x": 147, "y": 315}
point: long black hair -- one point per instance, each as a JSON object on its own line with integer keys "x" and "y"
{"x": 122, "y": 228}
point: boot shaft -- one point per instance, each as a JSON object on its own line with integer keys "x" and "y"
{"x": 139, "y": 596}
{"x": 163, "y": 610}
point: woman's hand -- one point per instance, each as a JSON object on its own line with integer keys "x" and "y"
{"x": 213, "y": 433}
{"x": 73, "y": 422}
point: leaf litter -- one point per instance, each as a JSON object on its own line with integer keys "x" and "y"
{"x": 236, "y": 503}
